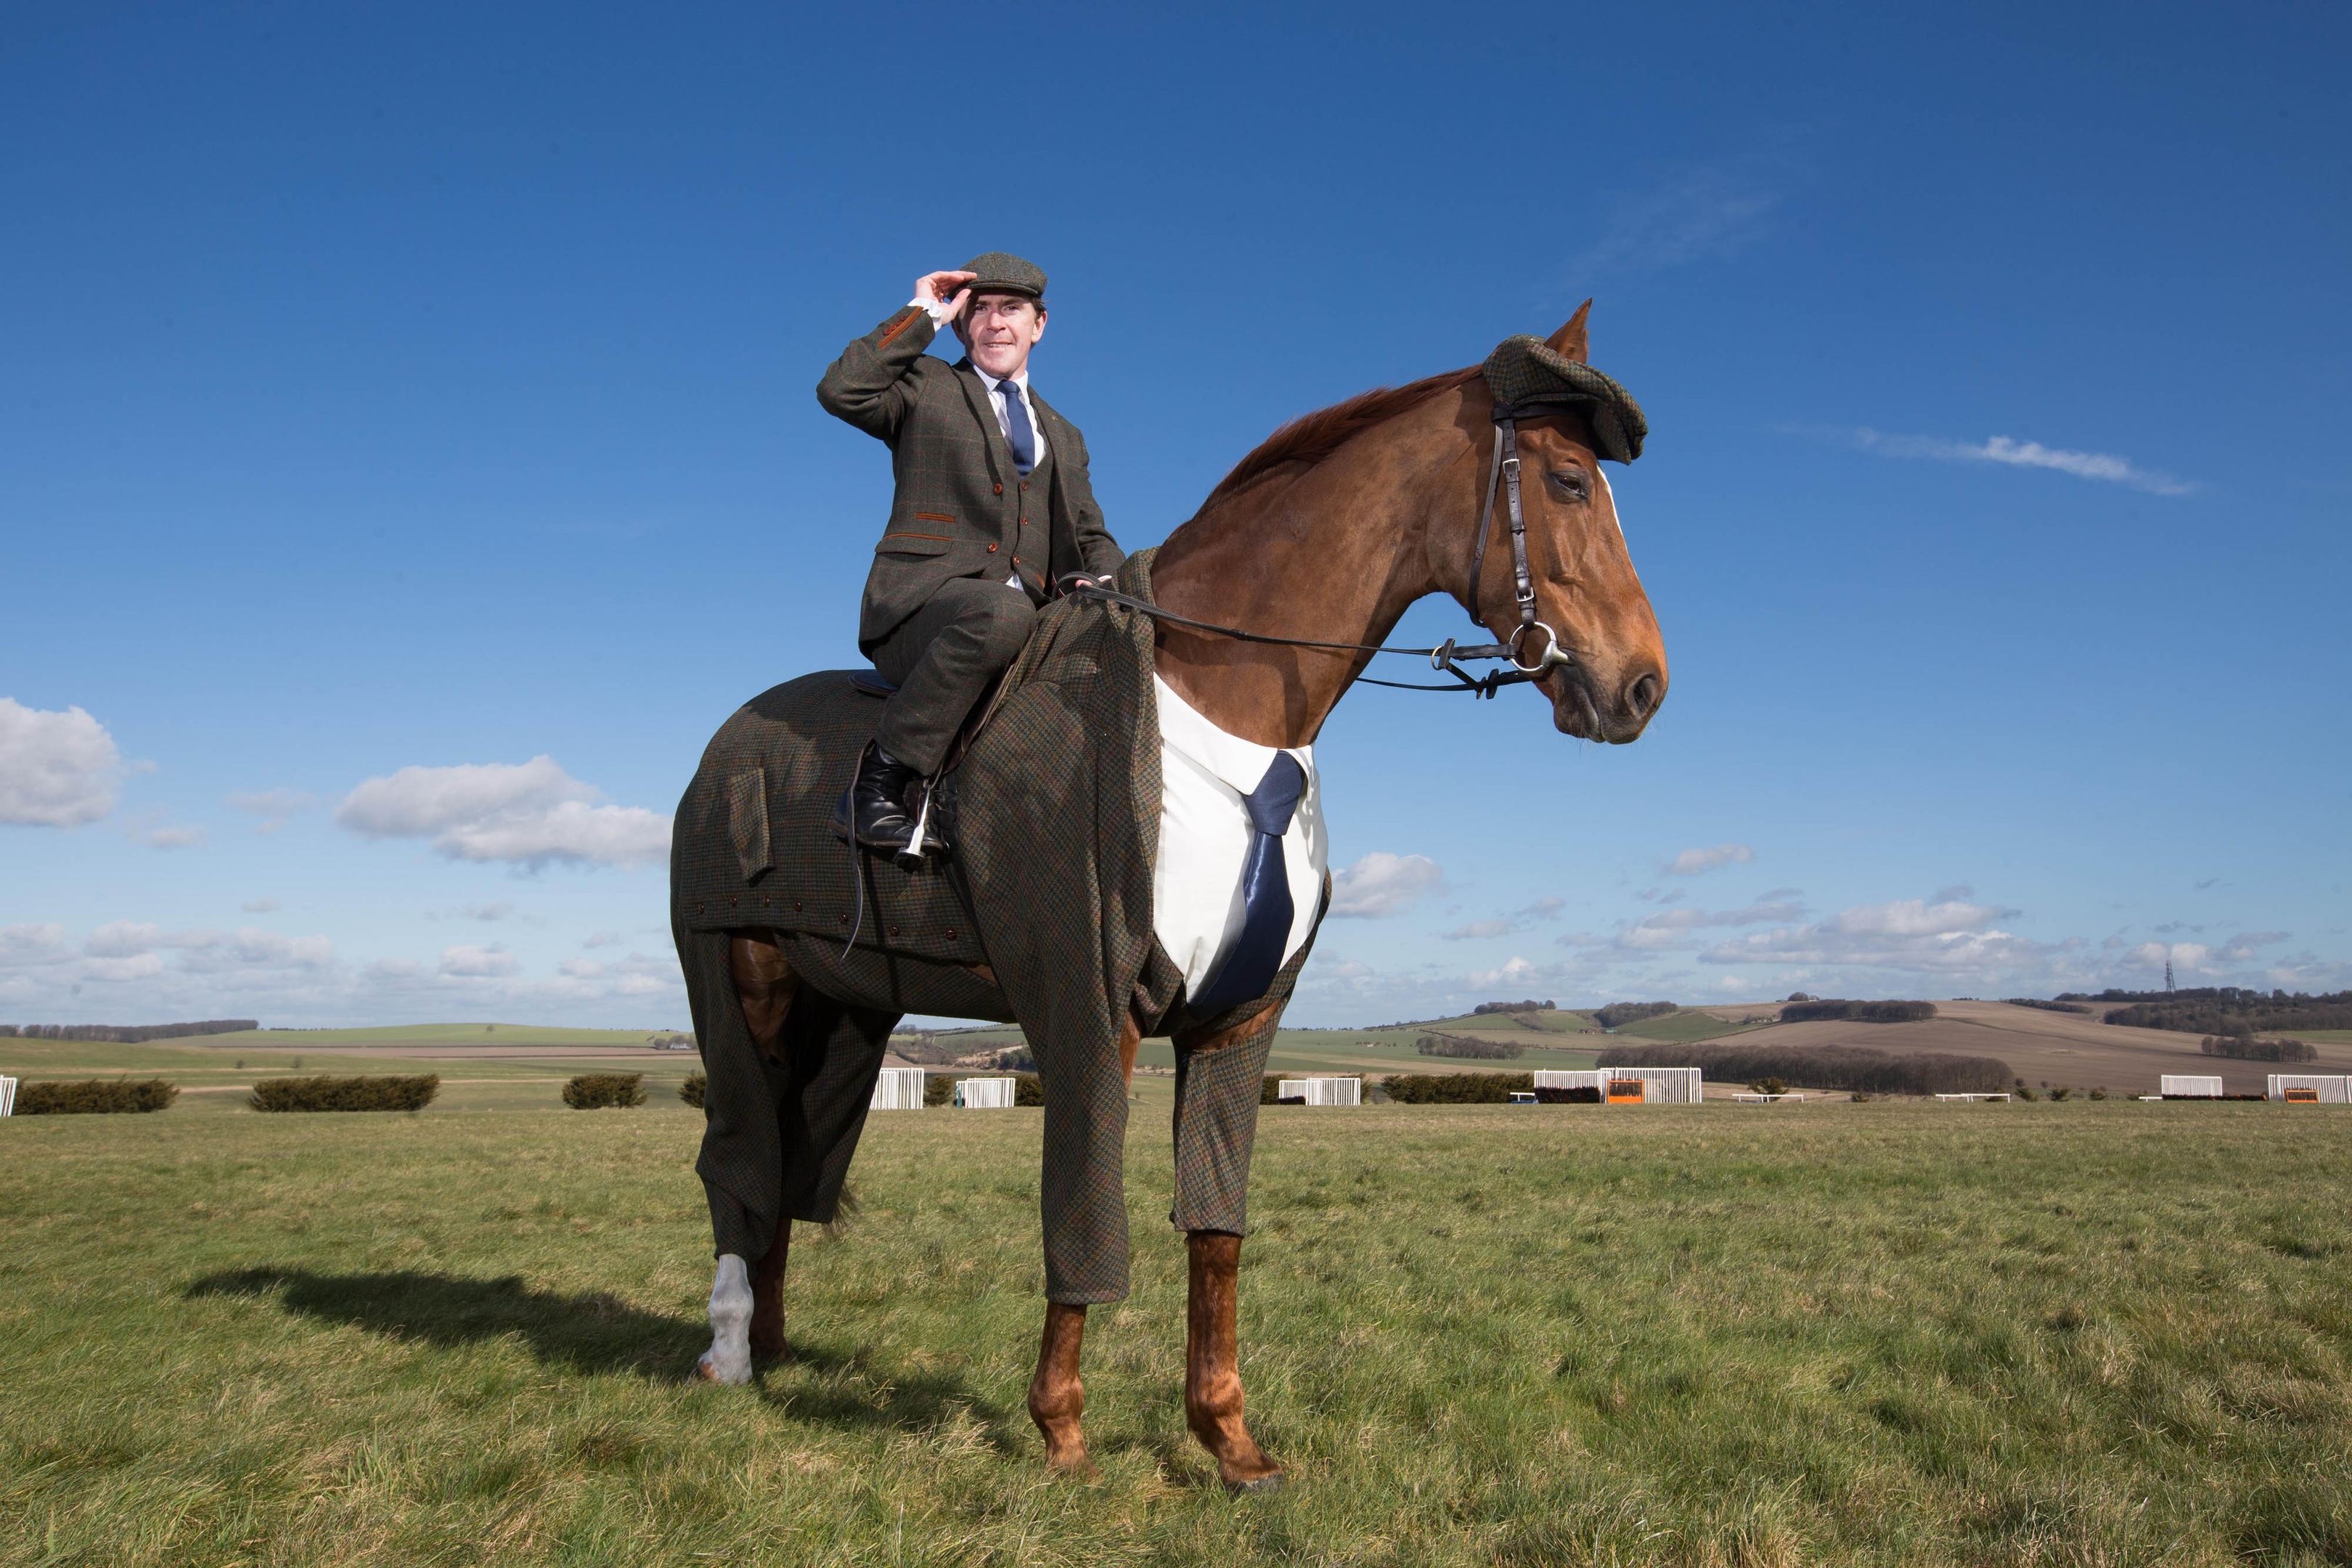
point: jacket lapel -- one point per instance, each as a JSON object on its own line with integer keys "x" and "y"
{"x": 975, "y": 392}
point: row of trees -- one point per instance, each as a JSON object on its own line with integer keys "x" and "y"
{"x": 1825, "y": 1067}
{"x": 1473, "y": 1049}
{"x": 2246, "y": 1048}
{"x": 1858, "y": 1012}
{"x": 2228, "y": 1011}
{"x": 1617, "y": 1014}
{"x": 2047, "y": 1007}
{"x": 1527, "y": 1006}
{"x": 126, "y": 1034}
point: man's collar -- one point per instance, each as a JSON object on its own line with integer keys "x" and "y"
{"x": 1020, "y": 378}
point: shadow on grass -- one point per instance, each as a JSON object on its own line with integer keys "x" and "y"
{"x": 591, "y": 1334}
{"x": 600, "y": 1333}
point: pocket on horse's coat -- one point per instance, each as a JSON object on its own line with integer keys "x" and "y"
{"x": 914, "y": 544}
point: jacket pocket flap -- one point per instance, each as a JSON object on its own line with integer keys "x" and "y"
{"x": 913, "y": 544}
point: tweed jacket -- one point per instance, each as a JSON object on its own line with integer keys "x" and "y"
{"x": 961, "y": 508}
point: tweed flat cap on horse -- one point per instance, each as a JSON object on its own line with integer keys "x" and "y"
{"x": 1002, "y": 273}
{"x": 1526, "y": 372}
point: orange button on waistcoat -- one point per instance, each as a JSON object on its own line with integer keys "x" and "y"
{"x": 991, "y": 550}
{"x": 999, "y": 490}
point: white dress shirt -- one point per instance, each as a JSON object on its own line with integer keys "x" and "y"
{"x": 1205, "y": 835}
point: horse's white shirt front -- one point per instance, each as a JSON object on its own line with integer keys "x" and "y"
{"x": 1205, "y": 837}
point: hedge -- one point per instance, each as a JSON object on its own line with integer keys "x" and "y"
{"x": 97, "y": 1095}
{"x": 373, "y": 1093}
{"x": 1475, "y": 1049}
{"x": 1858, "y": 1012}
{"x": 691, "y": 1089}
{"x": 1456, "y": 1087}
{"x": 1621, "y": 1012}
{"x": 1825, "y": 1067}
{"x": 597, "y": 1091}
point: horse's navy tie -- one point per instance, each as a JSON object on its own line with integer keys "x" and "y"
{"x": 1250, "y": 968}
{"x": 1023, "y": 439}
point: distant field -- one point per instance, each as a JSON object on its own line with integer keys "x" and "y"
{"x": 1690, "y": 1024}
{"x": 426, "y": 1035}
{"x": 1875, "y": 1335}
{"x": 218, "y": 1079}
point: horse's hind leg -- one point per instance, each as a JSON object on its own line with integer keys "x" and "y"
{"x": 765, "y": 985}
{"x": 746, "y": 1301}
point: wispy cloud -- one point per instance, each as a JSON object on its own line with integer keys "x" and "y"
{"x": 1705, "y": 213}
{"x": 2102, "y": 466}
{"x": 1543, "y": 908}
{"x": 1693, "y": 862}
{"x": 272, "y": 805}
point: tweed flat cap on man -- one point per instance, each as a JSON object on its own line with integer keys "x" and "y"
{"x": 1527, "y": 372}
{"x": 1002, "y": 273}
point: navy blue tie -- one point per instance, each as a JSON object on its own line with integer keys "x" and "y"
{"x": 1267, "y": 910}
{"x": 1023, "y": 439}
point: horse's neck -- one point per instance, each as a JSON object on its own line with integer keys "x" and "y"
{"x": 1334, "y": 554}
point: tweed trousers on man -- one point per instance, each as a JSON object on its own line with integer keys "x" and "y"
{"x": 943, "y": 658}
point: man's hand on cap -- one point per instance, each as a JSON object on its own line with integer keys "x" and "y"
{"x": 935, "y": 286}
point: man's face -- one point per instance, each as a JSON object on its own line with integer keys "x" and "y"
{"x": 999, "y": 331}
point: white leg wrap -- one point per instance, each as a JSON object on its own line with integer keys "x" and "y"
{"x": 729, "y": 1359}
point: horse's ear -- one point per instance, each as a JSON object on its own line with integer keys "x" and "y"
{"x": 1569, "y": 341}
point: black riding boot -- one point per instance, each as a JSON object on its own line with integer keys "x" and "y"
{"x": 873, "y": 810}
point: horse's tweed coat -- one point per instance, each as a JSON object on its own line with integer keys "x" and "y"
{"x": 1056, "y": 819}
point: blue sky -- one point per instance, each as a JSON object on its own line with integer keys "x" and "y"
{"x": 430, "y": 388}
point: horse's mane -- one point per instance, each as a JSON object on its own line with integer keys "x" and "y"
{"x": 1311, "y": 437}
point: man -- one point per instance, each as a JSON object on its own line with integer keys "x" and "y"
{"x": 993, "y": 509}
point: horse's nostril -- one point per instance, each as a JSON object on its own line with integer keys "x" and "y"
{"x": 1642, "y": 696}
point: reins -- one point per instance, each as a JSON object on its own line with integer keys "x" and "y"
{"x": 1503, "y": 473}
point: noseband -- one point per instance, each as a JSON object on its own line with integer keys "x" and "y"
{"x": 1503, "y": 473}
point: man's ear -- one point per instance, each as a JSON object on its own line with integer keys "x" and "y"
{"x": 1041, "y": 323}
{"x": 1570, "y": 342}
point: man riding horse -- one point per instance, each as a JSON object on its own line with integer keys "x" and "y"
{"x": 993, "y": 508}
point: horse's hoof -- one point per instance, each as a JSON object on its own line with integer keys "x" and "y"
{"x": 708, "y": 1368}
{"x": 1273, "y": 1481}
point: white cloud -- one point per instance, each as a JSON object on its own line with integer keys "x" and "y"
{"x": 2102, "y": 466}
{"x": 497, "y": 910}
{"x": 272, "y": 805}
{"x": 1947, "y": 938}
{"x": 602, "y": 939}
{"x": 1693, "y": 862}
{"x": 475, "y": 961}
{"x": 181, "y": 838}
{"x": 56, "y": 770}
{"x": 1381, "y": 884}
{"x": 259, "y": 906}
{"x": 526, "y": 814}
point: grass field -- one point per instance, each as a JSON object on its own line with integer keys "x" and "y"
{"x": 1888, "y": 1333}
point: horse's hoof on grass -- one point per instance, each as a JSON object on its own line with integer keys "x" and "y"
{"x": 1273, "y": 1482}
{"x": 707, "y": 1370}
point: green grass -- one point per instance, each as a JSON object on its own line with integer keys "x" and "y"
{"x": 1884, "y": 1334}
{"x": 1682, "y": 1027}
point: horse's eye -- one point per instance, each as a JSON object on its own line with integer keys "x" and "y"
{"x": 1572, "y": 483}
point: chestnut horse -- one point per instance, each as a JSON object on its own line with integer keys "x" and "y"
{"x": 1326, "y": 532}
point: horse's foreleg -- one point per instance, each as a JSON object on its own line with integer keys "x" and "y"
{"x": 1212, "y": 1371}
{"x": 1056, "y": 1397}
